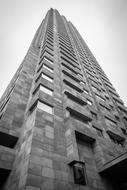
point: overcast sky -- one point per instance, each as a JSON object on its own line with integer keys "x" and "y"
{"x": 102, "y": 24}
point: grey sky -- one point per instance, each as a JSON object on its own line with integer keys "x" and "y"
{"x": 102, "y": 24}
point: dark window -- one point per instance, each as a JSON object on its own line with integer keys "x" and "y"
{"x": 70, "y": 76}
{"x": 45, "y": 51}
{"x": 124, "y": 131}
{"x": 94, "y": 115}
{"x": 74, "y": 98}
{"x": 79, "y": 174}
{"x": 4, "y": 173}
{"x": 69, "y": 67}
{"x": 116, "y": 140}
{"x": 68, "y": 52}
{"x": 70, "y": 58}
{"x": 8, "y": 140}
{"x": 73, "y": 86}
{"x": 117, "y": 118}
{"x": 79, "y": 116}
{"x": 99, "y": 131}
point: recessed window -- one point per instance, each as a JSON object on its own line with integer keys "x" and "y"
{"x": 79, "y": 173}
{"x": 117, "y": 118}
{"x": 48, "y": 68}
{"x": 4, "y": 104}
{"x": 99, "y": 131}
{"x": 107, "y": 97}
{"x": 75, "y": 98}
{"x": 104, "y": 107}
{"x": 70, "y": 76}
{"x": 110, "y": 122}
{"x": 95, "y": 89}
{"x": 125, "y": 119}
{"x": 8, "y": 140}
{"x": 89, "y": 102}
{"x": 46, "y": 90}
{"x": 84, "y": 90}
{"x": 4, "y": 174}
{"x": 99, "y": 97}
{"x": 73, "y": 85}
{"x": 45, "y": 107}
{"x": 94, "y": 115}
{"x": 80, "y": 117}
{"x": 124, "y": 131}
{"x": 49, "y": 60}
{"x": 79, "y": 75}
{"x": 116, "y": 140}
{"x": 46, "y": 77}
{"x": 82, "y": 82}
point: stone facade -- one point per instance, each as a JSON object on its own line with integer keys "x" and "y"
{"x": 62, "y": 124}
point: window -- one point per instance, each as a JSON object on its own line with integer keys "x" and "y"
{"x": 117, "y": 118}
{"x": 73, "y": 85}
{"x": 111, "y": 107}
{"x": 73, "y": 77}
{"x": 80, "y": 75}
{"x": 45, "y": 107}
{"x": 89, "y": 102}
{"x": 1, "y": 116}
{"x": 79, "y": 173}
{"x": 46, "y": 90}
{"x": 124, "y": 131}
{"x": 4, "y": 104}
{"x": 95, "y": 89}
{"x": 125, "y": 119}
{"x": 99, "y": 131}
{"x": 116, "y": 140}
{"x": 104, "y": 108}
{"x": 110, "y": 122}
{"x": 68, "y": 52}
{"x": 69, "y": 67}
{"x": 99, "y": 97}
{"x": 75, "y": 98}
{"x": 94, "y": 115}
{"x": 8, "y": 140}
{"x": 39, "y": 69}
{"x": 84, "y": 90}
{"x": 107, "y": 97}
{"x": 79, "y": 117}
{"x": 82, "y": 82}
{"x": 48, "y": 68}
{"x": 4, "y": 174}
{"x": 46, "y": 77}
{"x": 49, "y": 60}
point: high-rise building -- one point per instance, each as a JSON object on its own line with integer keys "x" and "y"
{"x": 63, "y": 126}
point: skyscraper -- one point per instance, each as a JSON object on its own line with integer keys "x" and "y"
{"x": 62, "y": 123}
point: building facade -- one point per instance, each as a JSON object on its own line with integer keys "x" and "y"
{"x": 62, "y": 123}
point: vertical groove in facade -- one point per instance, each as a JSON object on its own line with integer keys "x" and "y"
{"x": 62, "y": 123}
